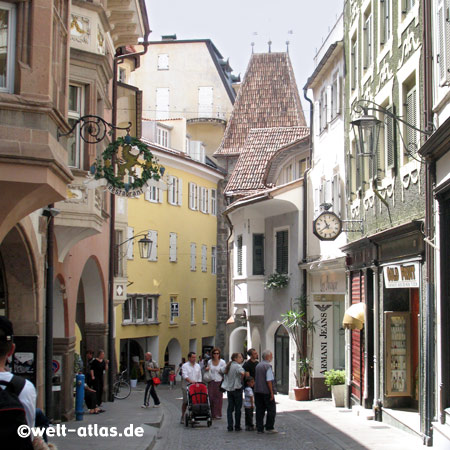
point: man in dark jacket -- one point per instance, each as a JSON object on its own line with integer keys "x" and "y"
{"x": 264, "y": 394}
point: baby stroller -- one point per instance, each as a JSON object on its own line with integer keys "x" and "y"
{"x": 198, "y": 407}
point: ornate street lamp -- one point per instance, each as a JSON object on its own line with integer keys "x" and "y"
{"x": 145, "y": 245}
{"x": 367, "y": 127}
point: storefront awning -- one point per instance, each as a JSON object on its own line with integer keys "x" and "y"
{"x": 354, "y": 316}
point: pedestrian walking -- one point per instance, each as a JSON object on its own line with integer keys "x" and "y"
{"x": 98, "y": 368}
{"x": 216, "y": 367}
{"x": 151, "y": 370}
{"x": 251, "y": 363}
{"x": 249, "y": 403}
{"x": 87, "y": 367}
{"x": 232, "y": 383}
{"x": 171, "y": 379}
{"x": 192, "y": 373}
{"x": 264, "y": 394}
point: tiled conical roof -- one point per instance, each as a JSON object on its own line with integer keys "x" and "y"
{"x": 267, "y": 98}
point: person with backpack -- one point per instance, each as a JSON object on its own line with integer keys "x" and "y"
{"x": 17, "y": 395}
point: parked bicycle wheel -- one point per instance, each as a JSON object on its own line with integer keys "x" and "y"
{"x": 121, "y": 390}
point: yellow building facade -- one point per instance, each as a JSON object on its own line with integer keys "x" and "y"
{"x": 171, "y": 297}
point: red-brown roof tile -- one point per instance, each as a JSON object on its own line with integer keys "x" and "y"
{"x": 261, "y": 145}
{"x": 267, "y": 98}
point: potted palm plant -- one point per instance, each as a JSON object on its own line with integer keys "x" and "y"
{"x": 299, "y": 328}
{"x": 335, "y": 380}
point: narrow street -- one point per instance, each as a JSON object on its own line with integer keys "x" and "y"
{"x": 301, "y": 425}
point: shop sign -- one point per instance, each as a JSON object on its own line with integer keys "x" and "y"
{"x": 401, "y": 275}
{"x": 329, "y": 283}
{"x": 323, "y": 338}
{"x": 128, "y": 166}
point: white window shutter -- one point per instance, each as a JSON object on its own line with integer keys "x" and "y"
{"x": 196, "y": 189}
{"x": 191, "y": 196}
{"x": 160, "y": 195}
{"x": 338, "y": 95}
{"x": 173, "y": 247}
{"x": 153, "y": 236}
{"x": 200, "y": 198}
{"x": 147, "y": 193}
{"x": 162, "y": 103}
{"x": 207, "y": 209}
{"x": 204, "y": 257}
{"x": 130, "y": 243}
{"x": 317, "y": 118}
{"x": 180, "y": 191}
{"x": 329, "y": 102}
{"x": 193, "y": 256}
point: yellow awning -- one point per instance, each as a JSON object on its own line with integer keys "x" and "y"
{"x": 354, "y": 316}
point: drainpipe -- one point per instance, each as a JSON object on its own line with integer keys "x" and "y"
{"x": 429, "y": 349}
{"x": 229, "y": 278}
{"x": 112, "y": 244}
{"x": 376, "y": 345}
{"x": 305, "y": 209}
{"x": 49, "y": 317}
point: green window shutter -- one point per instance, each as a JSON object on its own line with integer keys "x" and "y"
{"x": 282, "y": 256}
{"x": 258, "y": 254}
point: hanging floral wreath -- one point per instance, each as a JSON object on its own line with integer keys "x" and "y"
{"x": 135, "y": 154}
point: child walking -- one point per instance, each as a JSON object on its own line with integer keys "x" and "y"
{"x": 171, "y": 378}
{"x": 249, "y": 403}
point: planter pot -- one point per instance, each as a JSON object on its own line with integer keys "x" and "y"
{"x": 302, "y": 394}
{"x": 133, "y": 383}
{"x": 338, "y": 394}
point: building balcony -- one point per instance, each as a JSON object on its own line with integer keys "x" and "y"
{"x": 82, "y": 214}
{"x": 249, "y": 296}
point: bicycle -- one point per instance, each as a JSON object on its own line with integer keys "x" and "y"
{"x": 121, "y": 388}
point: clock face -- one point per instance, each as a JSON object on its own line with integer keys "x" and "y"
{"x": 327, "y": 226}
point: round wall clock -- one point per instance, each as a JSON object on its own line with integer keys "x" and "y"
{"x": 327, "y": 226}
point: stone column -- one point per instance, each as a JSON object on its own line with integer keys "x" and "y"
{"x": 65, "y": 348}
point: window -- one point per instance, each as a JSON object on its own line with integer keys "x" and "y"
{"x": 139, "y": 309}
{"x": 118, "y": 256}
{"x": 75, "y": 111}
{"x": 288, "y": 176}
{"x": 193, "y": 199}
{"x": 193, "y": 257}
{"x": 335, "y": 96}
{"x": 282, "y": 251}
{"x": 192, "y": 310}
{"x": 336, "y": 188}
{"x": 151, "y": 309}
{"x": 205, "y": 310}
{"x": 258, "y": 254}
{"x": 213, "y": 260}
{"x": 407, "y": 5}
{"x": 122, "y": 75}
{"x": 213, "y": 202}
{"x": 301, "y": 168}
{"x": 203, "y": 199}
{"x": 443, "y": 41}
{"x": 385, "y": 21}
{"x": 367, "y": 36}
{"x": 204, "y": 258}
{"x": 153, "y": 194}
{"x": 354, "y": 63}
{"x": 205, "y": 101}
{"x": 7, "y": 46}
{"x": 188, "y": 145}
{"x": 162, "y": 136}
{"x": 196, "y": 151}
{"x": 323, "y": 109}
{"x": 163, "y": 61}
{"x": 174, "y": 193}
{"x": 153, "y": 236}
{"x": 174, "y": 308}
{"x": 162, "y": 103}
{"x": 239, "y": 254}
{"x": 411, "y": 118}
{"x": 127, "y": 310}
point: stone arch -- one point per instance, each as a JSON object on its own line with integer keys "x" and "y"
{"x": 91, "y": 291}
{"x": 238, "y": 341}
{"x": 20, "y": 281}
{"x": 172, "y": 354}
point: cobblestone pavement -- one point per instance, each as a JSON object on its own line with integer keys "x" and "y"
{"x": 301, "y": 425}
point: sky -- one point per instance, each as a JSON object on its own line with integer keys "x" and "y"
{"x": 233, "y": 26}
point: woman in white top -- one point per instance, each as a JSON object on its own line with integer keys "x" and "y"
{"x": 215, "y": 367}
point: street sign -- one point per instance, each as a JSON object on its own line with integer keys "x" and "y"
{"x": 174, "y": 309}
